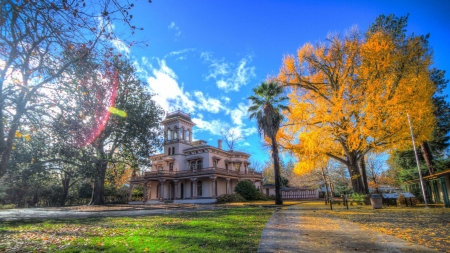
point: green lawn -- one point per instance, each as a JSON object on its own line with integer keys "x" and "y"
{"x": 237, "y": 229}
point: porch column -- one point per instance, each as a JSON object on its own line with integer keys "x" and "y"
{"x": 144, "y": 193}
{"x": 228, "y": 185}
{"x": 130, "y": 197}
{"x": 213, "y": 187}
{"x": 445, "y": 192}
{"x": 149, "y": 190}
{"x": 194, "y": 187}
{"x": 176, "y": 189}
{"x": 161, "y": 189}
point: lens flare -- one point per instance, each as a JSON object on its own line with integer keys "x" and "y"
{"x": 101, "y": 118}
{"x": 117, "y": 112}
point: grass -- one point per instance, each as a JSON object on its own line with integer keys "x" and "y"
{"x": 236, "y": 229}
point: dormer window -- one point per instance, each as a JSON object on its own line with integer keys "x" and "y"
{"x": 237, "y": 166}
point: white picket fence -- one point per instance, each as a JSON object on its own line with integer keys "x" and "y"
{"x": 300, "y": 194}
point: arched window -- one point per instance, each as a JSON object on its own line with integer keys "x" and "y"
{"x": 175, "y": 133}
{"x": 169, "y": 151}
{"x": 169, "y": 134}
{"x": 182, "y": 134}
{"x": 199, "y": 188}
{"x": 173, "y": 150}
{"x": 186, "y": 136}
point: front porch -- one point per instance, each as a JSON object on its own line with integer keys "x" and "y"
{"x": 178, "y": 188}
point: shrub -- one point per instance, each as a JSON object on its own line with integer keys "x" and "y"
{"x": 401, "y": 200}
{"x": 246, "y": 189}
{"x": 226, "y": 198}
{"x": 9, "y": 206}
{"x": 260, "y": 196}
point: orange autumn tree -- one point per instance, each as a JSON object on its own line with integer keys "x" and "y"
{"x": 351, "y": 95}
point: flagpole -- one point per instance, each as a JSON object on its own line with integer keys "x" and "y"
{"x": 417, "y": 161}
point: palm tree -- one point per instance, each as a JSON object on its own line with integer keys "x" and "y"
{"x": 266, "y": 109}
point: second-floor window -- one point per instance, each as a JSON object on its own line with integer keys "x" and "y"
{"x": 186, "y": 136}
{"x": 170, "y": 166}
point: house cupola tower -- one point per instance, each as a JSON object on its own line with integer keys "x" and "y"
{"x": 177, "y": 132}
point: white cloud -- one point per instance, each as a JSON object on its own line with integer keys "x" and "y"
{"x": 226, "y": 99}
{"x": 179, "y": 52}
{"x": 170, "y": 95}
{"x": 120, "y": 46}
{"x": 238, "y": 113}
{"x": 212, "y": 126}
{"x": 207, "y": 103}
{"x": 174, "y": 27}
{"x": 227, "y": 77}
{"x": 218, "y": 69}
{"x": 215, "y": 126}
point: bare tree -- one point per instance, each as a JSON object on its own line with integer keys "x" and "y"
{"x": 375, "y": 168}
{"x": 231, "y": 137}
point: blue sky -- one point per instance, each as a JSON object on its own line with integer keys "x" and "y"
{"x": 205, "y": 57}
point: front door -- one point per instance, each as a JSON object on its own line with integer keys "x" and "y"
{"x": 182, "y": 191}
{"x": 172, "y": 190}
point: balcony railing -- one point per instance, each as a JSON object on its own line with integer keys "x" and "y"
{"x": 197, "y": 172}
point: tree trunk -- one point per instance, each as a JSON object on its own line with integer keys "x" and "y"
{"x": 276, "y": 167}
{"x": 65, "y": 184}
{"x": 364, "y": 175}
{"x": 7, "y": 147}
{"x": 98, "y": 193}
{"x": 326, "y": 185}
{"x": 428, "y": 156}
{"x": 355, "y": 175}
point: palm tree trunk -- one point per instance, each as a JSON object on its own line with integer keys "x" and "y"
{"x": 276, "y": 166}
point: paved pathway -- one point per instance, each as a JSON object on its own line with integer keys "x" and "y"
{"x": 52, "y": 212}
{"x": 294, "y": 229}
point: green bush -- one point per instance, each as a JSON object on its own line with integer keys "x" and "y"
{"x": 246, "y": 189}
{"x": 9, "y": 206}
{"x": 260, "y": 196}
{"x": 358, "y": 197}
{"x": 227, "y": 198}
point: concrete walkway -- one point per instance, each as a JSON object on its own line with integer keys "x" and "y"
{"x": 294, "y": 229}
{"x": 64, "y": 213}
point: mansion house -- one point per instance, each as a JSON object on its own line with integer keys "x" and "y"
{"x": 192, "y": 171}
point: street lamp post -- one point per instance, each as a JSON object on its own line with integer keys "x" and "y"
{"x": 417, "y": 161}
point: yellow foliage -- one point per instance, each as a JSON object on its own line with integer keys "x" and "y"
{"x": 352, "y": 96}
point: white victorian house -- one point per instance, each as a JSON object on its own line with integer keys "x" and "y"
{"x": 192, "y": 171}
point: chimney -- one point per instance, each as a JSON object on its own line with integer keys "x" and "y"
{"x": 219, "y": 144}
